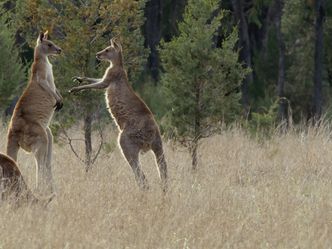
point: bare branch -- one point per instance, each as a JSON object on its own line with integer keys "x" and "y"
{"x": 100, "y": 145}
{"x": 71, "y": 145}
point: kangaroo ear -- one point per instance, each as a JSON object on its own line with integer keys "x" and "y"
{"x": 112, "y": 42}
{"x": 117, "y": 45}
{"x": 46, "y": 35}
{"x": 40, "y": 37}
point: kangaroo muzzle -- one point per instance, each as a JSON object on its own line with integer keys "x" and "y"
{"x": 98, "y": 55}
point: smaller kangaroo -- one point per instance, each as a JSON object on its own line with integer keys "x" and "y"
{"x": 138, "y": 128}
{"x": 12, "y": 184}
{"x": 29, "y": 125}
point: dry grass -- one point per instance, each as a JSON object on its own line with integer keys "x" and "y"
{"x": 246, "y": 194}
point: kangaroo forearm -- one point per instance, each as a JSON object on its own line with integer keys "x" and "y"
{"x": 97, "y": 85}
{"x": 46, "y": 87}
{"x": 58, "y": 93}
{"x": 92, "y": 80}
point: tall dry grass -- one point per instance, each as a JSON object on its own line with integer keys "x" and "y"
{"x": 246, "y": 194}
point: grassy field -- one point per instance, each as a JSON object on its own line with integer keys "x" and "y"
{"x": 246, "y": 194}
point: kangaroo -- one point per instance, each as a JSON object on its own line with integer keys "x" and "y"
{"x": 29, "y": 125}
{"x": 13, "y": 185}
{"x": 138, "y": 128}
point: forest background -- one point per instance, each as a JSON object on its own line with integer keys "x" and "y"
{"x": 199, "y": 65}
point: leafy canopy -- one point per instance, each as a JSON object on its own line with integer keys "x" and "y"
{"x": 12, "y": 71}
{"x": 198, "y": 72}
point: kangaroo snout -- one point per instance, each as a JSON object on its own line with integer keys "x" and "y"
{"x": 59, "y": 50}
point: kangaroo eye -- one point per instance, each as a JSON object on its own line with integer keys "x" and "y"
{"x": 49, "y": 45}
{"x": 106, "y": 50}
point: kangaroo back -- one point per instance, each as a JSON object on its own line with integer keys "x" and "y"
{"x": 12, "y": 184}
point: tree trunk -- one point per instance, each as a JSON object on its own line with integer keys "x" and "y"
{"x": 194, "y": 154}
{"x": 176, "y": 10}
{"x": 197, "y": 125}
{"x": 245, "y": 51}
{"x": 282, "y": 113}
{"x": 153, "y": 13}
{"x": 318, "y": 99}
{"x": 88, "y": 140}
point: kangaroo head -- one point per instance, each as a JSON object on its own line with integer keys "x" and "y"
{"x": 46, "y": 46}
{"x": 112, "y": 53}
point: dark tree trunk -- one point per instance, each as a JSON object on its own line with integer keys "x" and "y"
{"x": 194, "y": 154}
{"x": 172, "y": 14}
{"x": 153, "y": 13}
{"x": 318, "y": 98}
{"x": 177, "y": 9}
{"x": 197, "y": 125}
{"x": 88, "y": 140}
{"x": 282, "y": 113}
{"x": 245, "y": 51}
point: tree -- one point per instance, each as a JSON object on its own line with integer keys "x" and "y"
{"x": 161, "y": 19}
{"x": 318, "y": 59}
{"x": 82, "y": 28}
{"x": 197, "y": 75}
{"x": 245, "y": 51}
{"x": 282, "y": 113}
{"x": 296, "y": 25}
{"x": 12, "y": 71}
{"x": 302, "y": 26}
{"x": 153, "y": 12}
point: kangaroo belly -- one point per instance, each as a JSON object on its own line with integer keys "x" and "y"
{"x": 130, "y": 116}
{"x": 35, "y": 106}
{"x": 118, "y": 111}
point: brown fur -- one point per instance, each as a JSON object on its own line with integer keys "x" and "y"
{"x": 138, "y": 128}
{"x": 28, "y": 128}
{"x": 13, "y": 186}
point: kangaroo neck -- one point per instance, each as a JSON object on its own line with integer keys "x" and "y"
{"x": 116, "y": 66}
{"x": 117, "y": 75}
{"x": 40, "y": 57}
{"x": 116, "y": 71}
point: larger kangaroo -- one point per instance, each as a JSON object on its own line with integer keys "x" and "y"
{"x": 29, "y": 126}
{"x": 138, "y": 129}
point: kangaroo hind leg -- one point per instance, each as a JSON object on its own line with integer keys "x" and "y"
{"x": 130, "y": 151}
{"x": 12, "y": 145}
{"x": 49, "y": 157}
{"x": 39, "y": 141}
{"x": 157, "y": 148}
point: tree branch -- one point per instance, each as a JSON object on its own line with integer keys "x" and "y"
{"x": 100, "y": 146}
{"x": 71, "y": 145}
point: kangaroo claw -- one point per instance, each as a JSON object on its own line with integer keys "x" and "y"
{"x": 58, "y": 106}
{"x": 73, "y": 90}
{"x": 78, "y": 79}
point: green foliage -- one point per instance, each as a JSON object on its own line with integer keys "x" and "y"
{"x": 265, "y": 66}
{"x": 197, "y": 73}
{"x": 12, "y": 71}
{"x": 255, "y": 12}
{"x": 263, "y": 122}
{"x": 153, "y": 96}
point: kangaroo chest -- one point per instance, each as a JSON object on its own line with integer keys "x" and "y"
{"x": 117, "y": 108}
{"x": 49, "y": 75}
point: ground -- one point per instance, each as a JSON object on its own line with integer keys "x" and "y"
{"x": 247, "y": 193}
